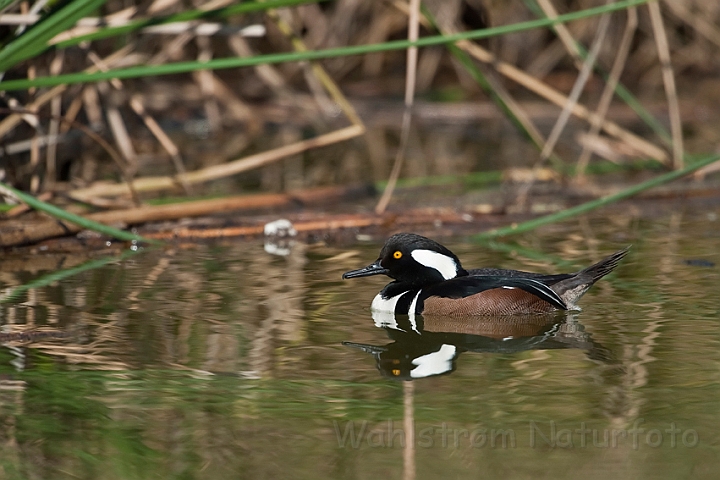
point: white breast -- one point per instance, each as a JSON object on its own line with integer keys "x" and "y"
{"x": 381, "y": 304}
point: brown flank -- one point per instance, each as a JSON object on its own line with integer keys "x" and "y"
{"x": 497, "y": 301}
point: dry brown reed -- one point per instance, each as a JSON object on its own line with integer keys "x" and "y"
{"x": 673, "y": 44}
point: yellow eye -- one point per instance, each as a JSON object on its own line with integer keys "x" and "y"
{"x": 397, "y": 255}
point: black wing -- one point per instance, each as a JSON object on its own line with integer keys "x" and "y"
{"x": 461, "y": 287}
{"x": 547, "y": 279}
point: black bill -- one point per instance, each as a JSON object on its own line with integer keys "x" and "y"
{"x": 372, "y": 269}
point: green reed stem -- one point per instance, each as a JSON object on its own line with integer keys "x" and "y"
{"x": 241, "y": 8}
{"x": 620, "y": 90}
{"x": 600, "y": 202}
{"x": 57, "y": 212}
{"x": 34, "y": 40}
{"x": 234, "y": 62}
{"x": 53, "y": 277}
{"x": 480, "y": 78}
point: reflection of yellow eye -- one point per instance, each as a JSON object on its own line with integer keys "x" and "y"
{"x": 397, "y": 255}
{"x": 396, "y": 372}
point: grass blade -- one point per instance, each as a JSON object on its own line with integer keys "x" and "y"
{"x": 184, "y": 67}
{"x": 622, "y": 92}
{"x": 600, "y": 202}
{"x": 57, "y": 212}
{"x": 34, "y": 40}
{"x": 245, "y": 7}
{"x": 53, "y": 277}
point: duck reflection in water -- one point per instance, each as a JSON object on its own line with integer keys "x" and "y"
{"x": 426, "y": 346}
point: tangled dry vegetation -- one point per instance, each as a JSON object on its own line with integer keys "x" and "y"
{"x": 116, "y": 143}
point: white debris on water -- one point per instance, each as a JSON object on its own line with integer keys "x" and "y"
{"x": 280, "y": 228}
{"x": 278, "y": 237}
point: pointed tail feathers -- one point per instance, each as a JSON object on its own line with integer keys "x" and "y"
{"x": 575, "y": 286}
{"x": 604, "y": 266}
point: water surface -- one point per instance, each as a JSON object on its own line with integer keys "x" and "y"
{"x": 227, "y": 362}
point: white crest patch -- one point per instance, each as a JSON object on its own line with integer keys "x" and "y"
{"x": 434, "y": 363}
{"x": 442, "y": 263}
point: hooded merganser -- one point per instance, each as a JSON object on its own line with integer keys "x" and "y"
{"x": 430, "y": 280}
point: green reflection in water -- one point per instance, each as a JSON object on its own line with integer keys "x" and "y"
{"x": 226, "y": 362}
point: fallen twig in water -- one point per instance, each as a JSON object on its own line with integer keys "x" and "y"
{"x": 24, "y": 232}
